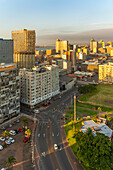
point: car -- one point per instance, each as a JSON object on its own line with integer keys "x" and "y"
{"x": 12, "y": 140}
{"x": 8, "y": 142}
{"x": 12, "y": 132}
{"x": 2, "y": 139}
{"x": 25, "y": 139}
{"x": 55, "y": 146}
{"x": 7, "y": 137}
{"x": 17, "y": 120}
{"x": 36, "y": 111}
{"x": 20, "y": 130}
{"x": 16, "y": 131}
{"x": 10, "y": 125}
{"x": 1, "y": 147}
{"x": 2, "y": 128}
{"x": 3, "y": 169}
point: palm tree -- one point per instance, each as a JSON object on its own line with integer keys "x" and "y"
{"x": 5, "y": 134}
{"x": 10, "y": 161}
{"x": 24, "y": 122}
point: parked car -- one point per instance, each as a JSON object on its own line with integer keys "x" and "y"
{"x": 20, "y": 130}
{"x": 17, "y": 120}
{"x": 2, "y": 128}
{"x": 2, "y": 139}
{"x": 55, "y": 146}
{"x": 7, "y": 137}
{"x": 25, "y": 139}
{"x": 10, "y": 125}
{"x": 1, "y": 147}
{"x": 12, "y": 140}
{"x": 16, "y": 131}
{"x": 36, "y": 111}
{"x": 8, "y": 142}
{"x": 12, "y": 132}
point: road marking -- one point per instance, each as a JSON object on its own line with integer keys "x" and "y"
{"x": 52, "y": 134}
{"x": 44, "y": 135}
{"x": 39, "y": 135}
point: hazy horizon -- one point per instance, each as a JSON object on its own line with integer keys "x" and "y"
{"x": 80, "y": 38}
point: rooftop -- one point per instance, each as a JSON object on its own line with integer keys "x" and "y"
{"x": 97, "y": 127}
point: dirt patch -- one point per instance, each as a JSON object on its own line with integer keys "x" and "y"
{"x": 110, "y": 102}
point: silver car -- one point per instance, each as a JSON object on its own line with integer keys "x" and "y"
{"x": 2, "y": 139}
{"x": 1, "y": 147}
{"x": 8, "y": 142}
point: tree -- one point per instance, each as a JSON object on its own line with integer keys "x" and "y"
{"x": 95, "y": 152}
{"x": 10, "y": 161}
{"x": 5, "y": 134}
{"x": 24, "y": 122}
{"x": 87, "y": 89}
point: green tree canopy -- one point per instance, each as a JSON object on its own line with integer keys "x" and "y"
{"x": 95, "y": 152}
{"x": 87, "y": 89}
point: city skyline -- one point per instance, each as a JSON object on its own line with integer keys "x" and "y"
{"x": 74, "y": 20}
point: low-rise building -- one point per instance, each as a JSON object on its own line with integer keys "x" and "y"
{"x": 9, "y": 91}
{"x": 38, "y": 84}
{"x": 100, "y": 127}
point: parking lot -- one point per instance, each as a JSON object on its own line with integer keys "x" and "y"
{"x": 19, "y": 150}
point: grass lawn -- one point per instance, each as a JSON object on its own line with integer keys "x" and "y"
{"x": 95, "y": 107}
{"x": 69, "y": 131}
{"x": 103, "y": 96}
{"x": 87, "y": 112}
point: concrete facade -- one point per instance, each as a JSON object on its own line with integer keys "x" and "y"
{"x": 9, "y": 91}
{"x": 6, "y": 51}
{"x": 39, "y": 84}
{"x": 106, "y": 73}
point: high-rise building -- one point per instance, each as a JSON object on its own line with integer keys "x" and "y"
{"x": 24, "y": 40}
{"x": 24, "y": 48}
{"x": 6, "y": 51}
{"x": 24, "y": 59}
{"x": 9, "y": 91}
{"x": 93, "y": 46}
{"x": 38, "y": 84}
{"x": 106, "y": 73}
{"x": 61, "y": 46}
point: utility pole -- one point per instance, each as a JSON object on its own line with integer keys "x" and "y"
{"x": 75, "y": 107}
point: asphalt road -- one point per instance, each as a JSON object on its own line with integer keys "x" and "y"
{"x": 60, "y": 105}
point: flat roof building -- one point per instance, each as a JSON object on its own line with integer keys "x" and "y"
{"x": 38, "y": 84}
{"x": 6, "y": 51}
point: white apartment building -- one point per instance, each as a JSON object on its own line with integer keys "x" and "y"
{"x": 9, "y": 91}
{"x": 38, "y": 84}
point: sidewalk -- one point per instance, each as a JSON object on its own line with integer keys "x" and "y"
{"x": 73, "y": 160}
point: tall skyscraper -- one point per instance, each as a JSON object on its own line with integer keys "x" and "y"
{"x": 24, "y": 48}
{"x": 6, "y": 51}
{"x": 61, "y": 46}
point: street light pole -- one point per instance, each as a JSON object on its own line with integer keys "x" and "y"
{"x": 75, "y": 107}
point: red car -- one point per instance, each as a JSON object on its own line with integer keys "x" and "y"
{"x": 25, "y": 139}
{"x": 20, "y": 130}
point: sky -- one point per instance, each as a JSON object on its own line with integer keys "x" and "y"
{"x": 74, "y": 20}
